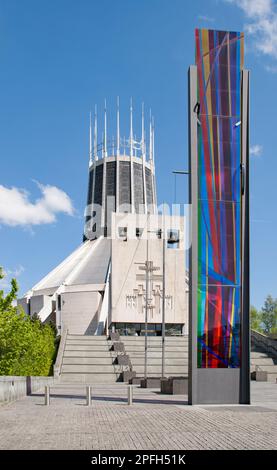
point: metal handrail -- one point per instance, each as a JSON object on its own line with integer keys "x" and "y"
{"x": 59, "y": 359}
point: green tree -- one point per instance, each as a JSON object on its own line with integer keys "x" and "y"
{"x": 269, "y": 314}
{"x": 6, "y": 302}
{"x": 27, "y": 347}
{"x": 255, "y": 319}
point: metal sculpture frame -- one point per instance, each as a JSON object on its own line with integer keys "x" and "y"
{"x": 216, "y": 382}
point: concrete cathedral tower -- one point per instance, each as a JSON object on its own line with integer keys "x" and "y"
{"x": 121, "y": 174}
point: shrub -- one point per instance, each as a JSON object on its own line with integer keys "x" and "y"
{"x": 27, "y": 347}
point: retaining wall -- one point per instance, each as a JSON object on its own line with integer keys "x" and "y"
{"x": 13, "y": 387}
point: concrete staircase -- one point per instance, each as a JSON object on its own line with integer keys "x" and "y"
{"x": 263, "y": 357}
{"x": 260, "y": 361}
{"x": 176, "y": 355}
{"x": 88, "y": 359}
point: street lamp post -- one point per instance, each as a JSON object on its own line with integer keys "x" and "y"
{"x": 163, "y": 304}
{"x": 180, "y": 172}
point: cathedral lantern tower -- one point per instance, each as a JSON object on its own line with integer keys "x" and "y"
{"x": 121, "y": 174}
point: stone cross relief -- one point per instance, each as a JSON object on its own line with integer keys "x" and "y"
{"x": 137, "y": 300}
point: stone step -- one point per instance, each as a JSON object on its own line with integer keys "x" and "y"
{"x": 272, "y": 377}
{"x": 269, "y": 368}
{"x": 255, "y": 354}
{"x": 262, "y": 361}
{"x": 153, "y": 338}
{"x": 167, "y": 374}
{"x": 158, "y": 354}
{"x": 96, "y": 345}
{"x": 85, "y": 353}
{"x": 88, "y": 369}
{"x": 87, "y": 360}
{"x": 157, "y": 361}
{"x": 86, "y": 347}
{"x": 154, "y": 348}
{"x": 94, "y": 339}
{"x": 139, "y": 369}
{"x": 86, "y": 337}
{"x": 141, "y": 340}
{"x": 89, "y": 378}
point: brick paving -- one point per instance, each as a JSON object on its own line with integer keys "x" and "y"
{"x": 154, "y": 421}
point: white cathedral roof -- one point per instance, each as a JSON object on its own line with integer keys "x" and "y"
{"x": 88, "y": 264}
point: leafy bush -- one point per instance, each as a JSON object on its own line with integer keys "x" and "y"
{"x": 27, "y": 347}
{"x": 266, "y": 319}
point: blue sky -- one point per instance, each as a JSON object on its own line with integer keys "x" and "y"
{"x": 60, "y": 57}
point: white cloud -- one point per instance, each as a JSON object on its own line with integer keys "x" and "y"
{"x": 254, "y": 8}
{"x": 16, "y": 209}
{"x": 5, "y": 283}
{"x": 261, "y": 25}
{"x": 256, "y": 150}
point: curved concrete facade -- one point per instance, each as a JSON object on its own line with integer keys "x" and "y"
{"x": 118, "y": 184}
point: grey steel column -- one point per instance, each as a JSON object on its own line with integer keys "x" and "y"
{"x": 193, "y": 251}
{"x": 245, "y": 307}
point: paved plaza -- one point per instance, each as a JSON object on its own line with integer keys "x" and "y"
{"x": 154, "y": 421}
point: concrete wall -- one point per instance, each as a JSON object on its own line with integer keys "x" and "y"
{"x": 14, "y": 387}
{"x": 37, "y": 303}
{"x": 24, "y": 304}
{"x": 79, "y": 311}
{"x": 128, "y": 280}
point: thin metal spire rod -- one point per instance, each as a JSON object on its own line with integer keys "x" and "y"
{"x": 150, "y": 136}
{"x": 90, "y": 139}
{"x": 95, "y": 133}
{"x": 105, "y": 130}
{"x": 131, "y": 128}
{"x": 117, "y": 130}
{"x": 142, "y": 132}
{"x": 153, "y": 141}
{"x": 113, "y": 145}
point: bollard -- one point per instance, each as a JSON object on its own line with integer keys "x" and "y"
{"x": 88, "y": 395}
{"x": 130, "y": 394}
{"x": 47, "y": 395}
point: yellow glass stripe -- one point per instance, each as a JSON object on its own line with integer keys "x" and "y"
{"x": 231, "y": 325}
{"x": 207, "y": 69}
